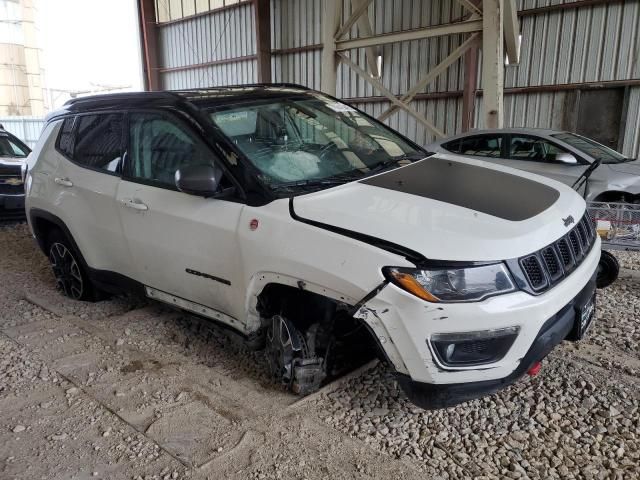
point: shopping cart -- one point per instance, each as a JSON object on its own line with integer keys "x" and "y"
{"x": 617, "y": 224}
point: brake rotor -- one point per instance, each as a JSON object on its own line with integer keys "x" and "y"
{"x": 284, "y": 344}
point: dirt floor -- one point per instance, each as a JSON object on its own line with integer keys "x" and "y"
{"x": 129, "y": 389}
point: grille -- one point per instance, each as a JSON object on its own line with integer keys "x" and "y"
{"x": 551, "y": 264}
{"x": 576, "y": 248}
{"x": 11, "y": 189}
{"x": 10, "y": 170}
{"x": 533, "y": 271}
{"x": 478, "y": 346}
{"x": 565, "y": 253}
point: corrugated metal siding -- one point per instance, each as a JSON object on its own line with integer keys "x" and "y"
{"x": 213, "y": 37}
{"x": 26, "y": 129}
{"x": 593, "y": 43}
{"x": 589, "y": 44}
{"x": 632, "y": 127}
{"x": 213, "y": 75}
{"x": 296, "y": 23}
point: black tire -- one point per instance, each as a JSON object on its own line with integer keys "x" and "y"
{"x": 68, "y": 268}
{"x": 608, "y": 270}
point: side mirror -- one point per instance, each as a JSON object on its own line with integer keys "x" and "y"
{"x": 201, "y": 180}
{"x": 566, "y": 158}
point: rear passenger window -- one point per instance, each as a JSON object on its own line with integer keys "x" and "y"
{"x": 453, "y": 146}
{"x": 98, "y": 141}
{"x": 481, "y": 146}
{"x": 65, "y": 137}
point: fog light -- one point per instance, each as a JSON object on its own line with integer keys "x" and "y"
{"x": 473, "y": 348}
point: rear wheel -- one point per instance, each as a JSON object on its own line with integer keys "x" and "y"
{"x": 71, "y": 278}
{"x": 608, "y": 270}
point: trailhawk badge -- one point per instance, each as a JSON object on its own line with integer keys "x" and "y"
{"x": 568, "y": 221}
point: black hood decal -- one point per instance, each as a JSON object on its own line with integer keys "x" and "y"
{"x": 503, "y": 195}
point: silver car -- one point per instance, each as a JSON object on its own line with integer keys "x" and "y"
{"x": 563, "y": 156}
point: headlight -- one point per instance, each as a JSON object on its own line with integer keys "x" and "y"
{"x": 457, "y": 284}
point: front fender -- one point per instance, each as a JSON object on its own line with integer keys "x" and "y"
{"x": 261, "y": 279}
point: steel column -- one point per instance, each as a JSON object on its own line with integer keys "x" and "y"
{"x": 493, "y": 62}
{"x": 262, "y": 13}
{"x": 148, "y": 29}
{"x": 330, "y": 25}
{"x": 470, "y": 87}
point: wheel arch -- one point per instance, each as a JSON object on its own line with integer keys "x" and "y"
{"x": 43, "y": 222}
{"x": 261, "y": 283}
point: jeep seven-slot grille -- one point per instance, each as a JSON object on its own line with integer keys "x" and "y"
{"x": 546, "y": 267}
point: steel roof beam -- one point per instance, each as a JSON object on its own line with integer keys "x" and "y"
{"x": 511, "y": 31}
{"x": 434, "y": 73}
{"x": 392, "y": 98}
{"x": 408, "y": 35}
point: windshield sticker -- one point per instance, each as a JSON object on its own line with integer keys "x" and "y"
{"x": 340, "y": 107}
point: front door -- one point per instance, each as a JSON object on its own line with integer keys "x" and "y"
{"x": 538, "y": 155}
{"x": 183, "y": 245}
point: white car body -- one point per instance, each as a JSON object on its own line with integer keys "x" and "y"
{"x": 215, "y": 256}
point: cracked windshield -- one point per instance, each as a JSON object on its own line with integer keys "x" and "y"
{"x": 310, "y": 140}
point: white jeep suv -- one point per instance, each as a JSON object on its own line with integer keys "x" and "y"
{"x": 298, "y": 220}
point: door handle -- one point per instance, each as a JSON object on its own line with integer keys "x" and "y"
{"x": 135, "y": 204}
{"x": 65, "y": 182}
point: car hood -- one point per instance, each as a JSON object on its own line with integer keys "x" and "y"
{"x": 628, "y": 168}
{"x": 447, "y": 209}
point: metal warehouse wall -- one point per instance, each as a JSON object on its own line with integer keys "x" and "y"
{"x": 195, "y": 51}
{"x": 26, "y": 129}
{"x": 593, "y": 43}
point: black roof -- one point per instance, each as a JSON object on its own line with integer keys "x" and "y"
{"x": 175, "y": 97}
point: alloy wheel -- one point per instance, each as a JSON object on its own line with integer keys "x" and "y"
{"x": 66, "y": 271}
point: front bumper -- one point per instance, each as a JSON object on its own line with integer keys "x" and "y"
{"x": 556, "y": 329}
{"x": 405, "y": 324}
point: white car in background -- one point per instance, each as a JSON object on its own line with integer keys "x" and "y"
{"x": 302, "y": 223}
{"x": 560, "y": 155}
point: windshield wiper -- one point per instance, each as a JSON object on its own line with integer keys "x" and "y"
{"x": 414, "y": 156}
{"x": 582, "y": 179}
{"x": 320, "y": 182}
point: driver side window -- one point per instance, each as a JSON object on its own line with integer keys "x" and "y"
{"x": 159, "y": 146}
{"x": 534, "y": 149}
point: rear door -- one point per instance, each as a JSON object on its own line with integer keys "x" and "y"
{"x": 487, "y": 147}
{"x": 182, "y": 245}
{"x": 85, "y": 184}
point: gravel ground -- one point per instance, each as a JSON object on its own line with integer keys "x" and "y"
{"x": 630, "y": 260}
{"x": 578, "y": 419}
{"x": 129, "y": 389}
